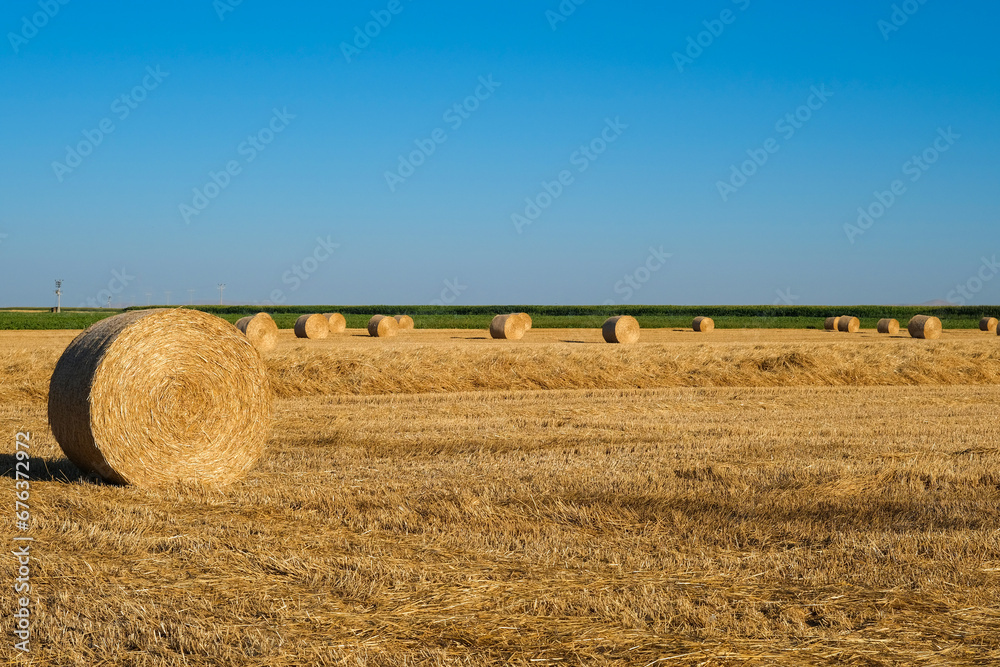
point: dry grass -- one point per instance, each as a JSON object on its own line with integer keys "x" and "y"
{"x": 780, "y": 519}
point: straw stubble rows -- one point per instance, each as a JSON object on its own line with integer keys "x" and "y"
{"x": 833, "y": 502}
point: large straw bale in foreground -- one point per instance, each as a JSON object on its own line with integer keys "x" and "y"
{"x": 831, "y": 323}
{"x": 509, "y": 326}
{"x": 924, "y": 326}
{"x": 336, "y": 322}
{"x": 621, "y": 329}
{"x": 312, "y": 326}
{"x": 703, "y": 324}
{"x": 848, "y": 324}
{"x": 155, "y": 397}
{"x": 988, "y": 324}
{"x": 887, "y": 325}
{"x": 260, "y": 330}
{"x": 380, "y": 326}
{"x": 404, "y": 322}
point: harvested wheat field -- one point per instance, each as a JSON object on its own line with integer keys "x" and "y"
{"x": 768, "y": 497}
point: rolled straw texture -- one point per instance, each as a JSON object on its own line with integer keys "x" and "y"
{"x": 924, "y": 326}
{"x": 260, "y": 330}
{"x": 160, "y": 397}
{"x": 337, "y": 322}
{"x": 509, "y": 326}
{"x": 621, "y": 329}
{"x": 703, "y": 324}
{"x": 312, "y": 326}
{"x": 381, "y": 326}
{"x": 888, "y": 325}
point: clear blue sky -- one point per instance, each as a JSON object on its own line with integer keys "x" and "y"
{"x": 310, "y": 130}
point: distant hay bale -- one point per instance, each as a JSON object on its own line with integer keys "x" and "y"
{"x": 703, "y": 324}
{"x": 831, "y": 323}
{"x": 337, "y": 322}
{"x": 924, "y": 326}
{"x": 621, "y": 329}
{"x": 525, "y": 320}
{"x": 404, "y": 321}
{"x": 848, "y": 324}
{"x": 888, "y": 326}
{"x": 312, "y": 326}
{"x": 157, "y": 397}
{"x": 260, "y": 330}
{"x": 988, "y": 324}
{"x": 381, "y": 326}
{"x": 509, "y": 326}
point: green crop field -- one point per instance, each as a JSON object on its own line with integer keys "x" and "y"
{"x": 478, "y": 317}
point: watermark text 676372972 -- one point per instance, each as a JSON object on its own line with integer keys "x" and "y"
{"x": 22, "y": 542}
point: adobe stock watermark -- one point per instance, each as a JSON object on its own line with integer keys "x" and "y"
{"x": 915, "y": 167}
{"x": 562, "y": 12}
{"x": 31, "y": 25}
{"x": 714, "y": 28}
{"x": 381, "y": 18}
{"x": 454, "y": 116}
{"x": 786, "y": 127}
{"x": 452, "y": 290}
{"x": 248, "y": 149}
{"x": 121, "y": 107}
{"x": 116, "y": 285}
{"x": 581, "y": 158}
{"x": 22, "y": 543}
{"x": 785, "y": 297}
{"x": 302, "y": 270}
{"x": 632, "y": 282}
{"x": 901, "y": 13}
{"x": 966, "y": 291}
{"x": 223, "y": 7}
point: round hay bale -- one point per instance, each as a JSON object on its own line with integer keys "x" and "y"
{"x": 525, "y": 320}
{"x": 888, "y": 326}
{"x": 156, "y": 397}
{"x": 988, "y": 324}
{"x": 381, "y": 326}
{"x": 337, "y": 322}
{"x": 509, "y": 326}
{"x": 830, "y": 324}
{"x": 312, "y": 326}
{"x": 703, "y": 324}
{"x": 260, "y": 330}
{"x": 924, "y": 326}
{"x": 621, "y": 329}
{"x": 404, "y": 321}
{"x": 848, "y": 324}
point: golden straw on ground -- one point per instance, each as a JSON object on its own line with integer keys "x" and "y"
{"x": 155, "y": 397}
{"x": 312, "y": 326}
{"x": 703, "y": 324}
{"x": 260, "y": 330}
{"x": 336, "y": 322}
{"x": 888, "y": 326}
{"x": 924, "y": 326}
{"x": 509, "y": 326}
{"x": 621, "y": 329}
{"x": 381, "y": 326}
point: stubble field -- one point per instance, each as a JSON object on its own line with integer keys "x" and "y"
{"x": 737, "y": 498}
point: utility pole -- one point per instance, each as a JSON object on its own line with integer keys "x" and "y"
{"x": 167, "y": 292}
{"x": 148, "y": 294}
{"x": 222, "y": 287}
{"x": 59, "y": 295}
{"x": 190, "y": 297}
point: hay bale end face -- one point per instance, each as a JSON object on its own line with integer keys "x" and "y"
{"x": 507, "y": 327}
{"x": 621, "y": 329}
{"x": 312, "y": 326}
{"x": 260, "y": 330}
{"x": 848, "y": 324}
{"x": 159, "y": 397}
{"x": 525, "y": 320}
{"x": 703, "y": 324}
{"x": 381, "y": 326}
{"x": 888, "y": 326}
{"x": 405, "y": 322}
{"x": 988, "y": 324}
{"x": 336, "y": 322}
{"x": 924, "y": 326}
